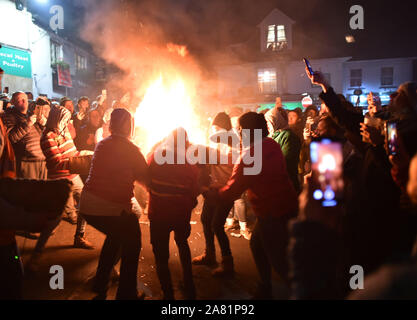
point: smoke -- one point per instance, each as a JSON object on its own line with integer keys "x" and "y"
{"x": 132, "y": 38}
{"x": 185, "y": 38}
{"x": 138, "y": 37}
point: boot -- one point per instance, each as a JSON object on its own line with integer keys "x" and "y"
{"x": 205, "y": 259}
{"x": 82, "y": 243}
{"x": 226, "y": 268}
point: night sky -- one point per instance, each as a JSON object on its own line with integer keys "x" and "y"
{"x": 390, "y": 26}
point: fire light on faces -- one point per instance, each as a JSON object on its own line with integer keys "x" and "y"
{"x": 166, "y": 106}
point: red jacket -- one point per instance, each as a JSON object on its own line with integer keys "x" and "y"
{"x": 173, "y": 190}
{"x": 117, "y": 163}
{"x": 270, "y": 192}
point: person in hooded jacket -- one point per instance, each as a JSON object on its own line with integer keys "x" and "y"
{"x": 173, "y": 194}
{"x": 214, "y": 214}
{"x": 277, "y": 120}
{"x": 106, "y": 203}
{"x": 58, "y": 147}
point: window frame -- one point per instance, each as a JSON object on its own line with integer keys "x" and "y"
{"x": 384, "y": 77}
{"x": 359, "y": 79}
{"x": 276, "y": 43}
{"x": 80, "y": 62}
{"x": 56, "y": 47}
{"x": 270, "y": 86}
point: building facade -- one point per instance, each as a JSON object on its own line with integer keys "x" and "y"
{"x": 31, "y": 53}
{"x": 277, "y": 69}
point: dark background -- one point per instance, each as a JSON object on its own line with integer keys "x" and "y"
{"x": 390, "y": 26}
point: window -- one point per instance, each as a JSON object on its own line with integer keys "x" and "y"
{"x": 356, "y": 77}
{"x": 56, "y": 52}
{"x": 276, "y": 38}
{"x": 387, "y": 76}
{"x": 80, "y": 62}
{"x": 267, "y": 80}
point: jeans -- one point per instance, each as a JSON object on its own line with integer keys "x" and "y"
{"x": 160, "y": 231}
{"x": 213, "y": 219}
{"x": 239, "y": 210}
{"x": 71, "y": 208}
{"x": 123, "y": 235}
{"x": 11, "y": 273}
{"x": 269, "y": 244}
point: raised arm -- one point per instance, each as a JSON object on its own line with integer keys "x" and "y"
{"x": 17, "y": 129}
{"x": 347, "y": 119}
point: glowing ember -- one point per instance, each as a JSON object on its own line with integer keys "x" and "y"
{"x": 166, "y": 106}
{"x": 181, "y": 50}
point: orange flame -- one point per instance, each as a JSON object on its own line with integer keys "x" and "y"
{"x": 166, "y": 106}
{"x": 175, "y": 48}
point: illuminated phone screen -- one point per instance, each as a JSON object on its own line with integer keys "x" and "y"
{"x": 392, "y": 138}
{"x": 327, "y": 171}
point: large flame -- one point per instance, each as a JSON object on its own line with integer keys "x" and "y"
{"x": 167, "y": 105}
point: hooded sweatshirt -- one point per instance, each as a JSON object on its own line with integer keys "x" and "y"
{"x": 57, "y": 144}
{"x": 289, "y": 142}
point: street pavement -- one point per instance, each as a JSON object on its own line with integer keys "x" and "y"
{"x": 79, "y": 267}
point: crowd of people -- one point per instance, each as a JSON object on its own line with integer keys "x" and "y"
{"x": 310, "y": 246}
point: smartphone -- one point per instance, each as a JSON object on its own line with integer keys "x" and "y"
{"x": 308, "y": 65}
{"x": 371, "y": 122}
{"x": 327, "y": 171}
{"x": 392, "y": 138}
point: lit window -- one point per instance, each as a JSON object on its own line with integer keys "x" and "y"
{"x": 387, "y": 76}
{"x": 276, "y": 38}
{"x": 80, "y": 62}
{"x": 356, "y": 77}
{"x": 267, "y": 80}
{"x": 56, "y": 52}
{"x": 271, "y": 35}
{"x": 281, "y": 34}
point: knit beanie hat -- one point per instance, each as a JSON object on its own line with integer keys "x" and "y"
{"x": 222, "y": 120}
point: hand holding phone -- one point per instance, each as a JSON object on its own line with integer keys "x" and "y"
{"x": 308, "y": 66}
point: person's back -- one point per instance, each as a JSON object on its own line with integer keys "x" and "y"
{"x": 117, "y": 163}
{"x": 106, "y": 203}
{"x": 271, "y": 191}
{"x": 173, "y": 190}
